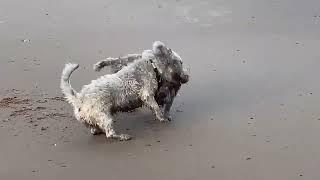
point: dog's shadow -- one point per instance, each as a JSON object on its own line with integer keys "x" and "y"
{"x": 139, "y": 123}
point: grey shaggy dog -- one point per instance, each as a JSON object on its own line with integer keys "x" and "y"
{"x": 133, "y": 86}
{"x": 166, "y": 92}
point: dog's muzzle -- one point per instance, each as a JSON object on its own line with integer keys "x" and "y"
{"x": 184, "y": 78}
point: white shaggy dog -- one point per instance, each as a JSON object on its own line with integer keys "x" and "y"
{"x": 133, "y": 86}
{"x": 166, "y": 92}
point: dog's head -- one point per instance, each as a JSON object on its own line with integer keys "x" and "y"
{"x": 169, "y": 64}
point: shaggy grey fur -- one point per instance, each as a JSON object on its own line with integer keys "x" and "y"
{"x": 166, "y": 92}
{"x": 131, "y": 87}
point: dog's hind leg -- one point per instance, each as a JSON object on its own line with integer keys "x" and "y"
{"x": 106, "y": 62}
{"x": 95, "y": 130}
{"x": 105, "y": 122}
{"x": 116, "y": 63}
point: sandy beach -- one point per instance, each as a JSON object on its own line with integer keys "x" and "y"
{"x": 251, "y": 110}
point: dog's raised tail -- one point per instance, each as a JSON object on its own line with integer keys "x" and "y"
{"x": 65, "y": 85}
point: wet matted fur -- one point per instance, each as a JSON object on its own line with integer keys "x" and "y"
{"x": 133, "y": 86}
{"x": 166, "y": 92}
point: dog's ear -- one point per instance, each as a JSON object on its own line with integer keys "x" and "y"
{"x": 159, "y": 48}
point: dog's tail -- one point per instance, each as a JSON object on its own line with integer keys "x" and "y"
{"x": 65, "y": 85}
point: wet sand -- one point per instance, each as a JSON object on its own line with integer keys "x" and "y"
{"x": 250, "y": 112}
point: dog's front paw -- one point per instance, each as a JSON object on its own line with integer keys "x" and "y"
{"x": 169, "y": 118}
{"x": 124, "y": 137}
{"x": 95, "y": 131}
{"x": 164, "y": 120}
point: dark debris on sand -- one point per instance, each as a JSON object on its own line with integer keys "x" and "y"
{"x": 25, "y": 110}
{"x": 11, "y": 101}
{"x": 57, "y": 98}
{"x": 43, "y": 128}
